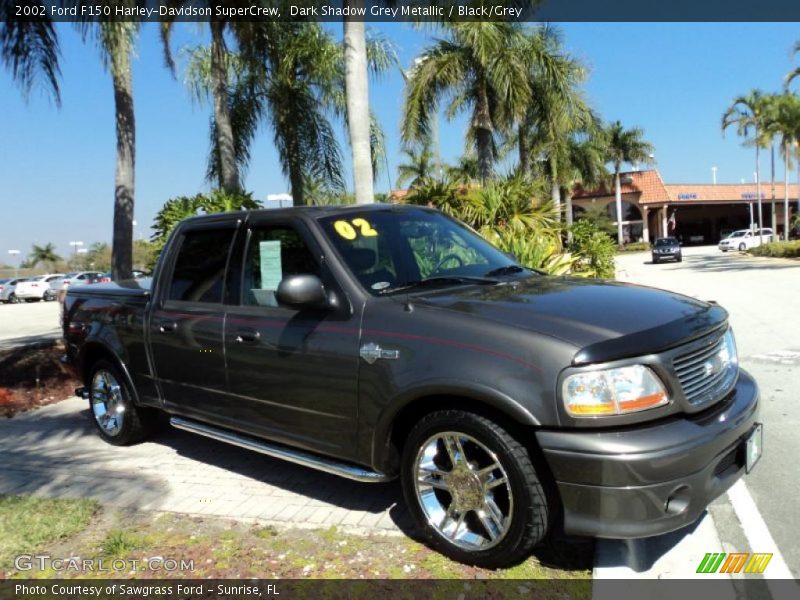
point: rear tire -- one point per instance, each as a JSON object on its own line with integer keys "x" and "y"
{"x": 472, "y": 490}
{"x": 12, "y": 299}
{"x": 742, "y": 247}
{"x": 117, "y": 419}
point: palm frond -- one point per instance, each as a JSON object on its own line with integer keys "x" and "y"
{"x": 30, "y": 49}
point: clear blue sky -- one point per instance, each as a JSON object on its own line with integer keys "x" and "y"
{"x": 57, "y": 166}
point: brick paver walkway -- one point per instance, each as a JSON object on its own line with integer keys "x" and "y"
{"x": 54, "y": 451}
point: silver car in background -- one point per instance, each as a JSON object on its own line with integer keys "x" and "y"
{"x": 42, "y": 287}
{"x": 7, "y": 289}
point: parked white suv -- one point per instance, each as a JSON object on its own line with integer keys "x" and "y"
{"x": 745, "y": 238}
{"x": 38, "y": 288}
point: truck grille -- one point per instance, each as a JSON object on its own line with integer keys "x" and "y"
{"x": 703, "y": 375}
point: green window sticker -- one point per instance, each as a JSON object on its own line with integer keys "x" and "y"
{"x": 270, "y": 263}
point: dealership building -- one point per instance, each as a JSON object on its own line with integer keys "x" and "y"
{"x": 703, "y": 212}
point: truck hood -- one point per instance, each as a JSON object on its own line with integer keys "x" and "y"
{"x": 604, "y": 320}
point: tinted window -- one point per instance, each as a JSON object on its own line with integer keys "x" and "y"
{"x": 387, "y": 248}
{"x": 199, "y": 271}
{"x": 273, "y": 253}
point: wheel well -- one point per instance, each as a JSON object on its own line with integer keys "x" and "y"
{"x": 410, "y": 414}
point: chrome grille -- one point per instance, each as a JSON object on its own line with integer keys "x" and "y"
{"x": 698, "y": 385}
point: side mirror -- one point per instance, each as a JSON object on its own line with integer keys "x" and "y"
{"x": 302, "y": 291}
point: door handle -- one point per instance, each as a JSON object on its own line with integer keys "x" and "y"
{"x": 167, "y": 327}
{"x": 249, "y": 336}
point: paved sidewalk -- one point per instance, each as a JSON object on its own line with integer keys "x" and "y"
{"x": 54, "y": 451}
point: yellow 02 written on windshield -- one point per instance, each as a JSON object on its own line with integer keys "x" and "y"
{"x": 350, "y": 230}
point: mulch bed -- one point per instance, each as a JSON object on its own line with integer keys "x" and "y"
{"x": 31, "y": 377}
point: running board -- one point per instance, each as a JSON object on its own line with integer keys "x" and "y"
{"x": 295, "y": 456}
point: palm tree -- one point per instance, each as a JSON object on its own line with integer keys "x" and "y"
{"x": 465, "y": 171}
{"x": 43, "y": 254}
{"x": 418, "y": 170}
{"x": 556, "y": 114}
{"x": 30, "y": 49}
{"x": 117, "y": 40}
{"x": 222, "y": 126}
{"x": 583, "y": 164}
{"x": 785, "y": 122}
{"x": 358, "y": 114}
{"x": 794, "y": 73}
{"x": 478, "y": 67}
{"x": 625, "y": 146}
{"x": 293, "y": 78}
{"x": 748, "y": 114}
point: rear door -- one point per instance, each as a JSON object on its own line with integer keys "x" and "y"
{"x": 292, "y": 374}
{"x": 186, "y": 323}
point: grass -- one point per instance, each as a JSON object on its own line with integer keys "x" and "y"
{"x": 223, "y": 548}
{"x": 27, "y": 523}
{"x": 777, "y": 250}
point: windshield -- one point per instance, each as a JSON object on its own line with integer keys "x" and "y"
{"x": 666, "y": 242}
{"x": 738, "y": 234}
{"x": 389, "y": 249}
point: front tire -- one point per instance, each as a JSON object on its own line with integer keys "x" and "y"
{"x": 12, "y": 299}
{"x": 118, "y": 420}
{"x": 472, "y": 490}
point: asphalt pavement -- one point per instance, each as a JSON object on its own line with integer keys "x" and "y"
{"x": 761, "y": 296}
{"x": 29, "y": 323}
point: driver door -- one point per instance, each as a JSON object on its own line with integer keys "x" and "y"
{"x": 292, "y": 374}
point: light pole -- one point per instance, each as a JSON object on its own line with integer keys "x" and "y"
{"x": 75, "y": 246}
{"x": 15, "y": 253}
{"x": 82, "y": 251}
{"x": 714, "y": 175}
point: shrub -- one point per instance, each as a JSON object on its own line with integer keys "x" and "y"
{"x": 635, "y": 247}
{"x": 777, "y": 250}
{"x": 594, "y": 250}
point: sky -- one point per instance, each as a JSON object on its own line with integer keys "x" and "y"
{"x": 57, "y": 165}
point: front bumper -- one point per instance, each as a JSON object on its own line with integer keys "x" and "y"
{"x": 647, "y": 480}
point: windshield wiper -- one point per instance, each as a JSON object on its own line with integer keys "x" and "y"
{"x": 507, "y": 270}
{"x": 418, "y": 283}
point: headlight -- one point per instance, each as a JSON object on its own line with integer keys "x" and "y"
{"x": 613, "y": 391}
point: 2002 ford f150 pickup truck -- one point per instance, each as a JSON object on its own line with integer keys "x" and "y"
{"x": 385, "y": 341}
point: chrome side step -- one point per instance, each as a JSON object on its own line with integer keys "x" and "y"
{"x": 295, "y": 456}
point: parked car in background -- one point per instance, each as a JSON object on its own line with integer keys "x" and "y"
{"x": 8, "y": 288}
{"x": 80, "y": 278}
{"x": 135, "y": 274}
{"x": 38, "y": 288}
{"x": 667, "y": 248}
{"x": 744, "y": 239}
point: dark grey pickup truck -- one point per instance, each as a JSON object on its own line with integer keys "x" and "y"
{"x": 384, "y": 341}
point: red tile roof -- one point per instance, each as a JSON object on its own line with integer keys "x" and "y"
{"x": 651, "y": 189}
{"x": 647, "y": 184}
{"x": 726, "y": 192}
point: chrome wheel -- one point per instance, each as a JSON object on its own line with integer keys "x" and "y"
{"x": 463, "y": 490}
{"x": 107, "y": 402}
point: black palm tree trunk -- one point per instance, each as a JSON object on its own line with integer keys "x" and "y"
{"x": 122, "y": 255}
{"x": 229, "y": 172}
{"x": 483, "y": 127}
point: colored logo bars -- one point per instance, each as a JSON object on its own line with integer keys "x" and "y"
{"x": 734, "y": 563}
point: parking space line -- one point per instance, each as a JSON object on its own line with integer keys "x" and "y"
{"x": 756, "y": 531}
